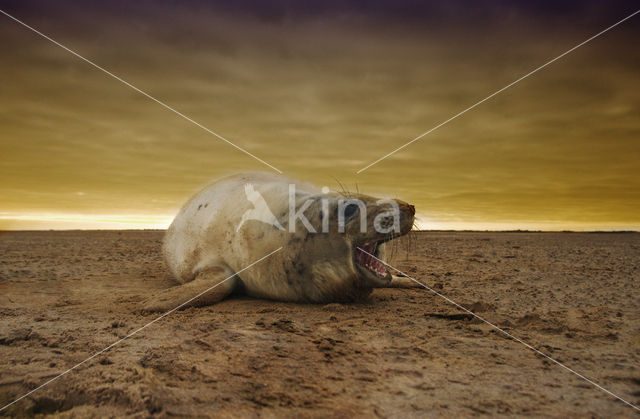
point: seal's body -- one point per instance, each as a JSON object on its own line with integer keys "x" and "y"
{"x": 238, "y": 220}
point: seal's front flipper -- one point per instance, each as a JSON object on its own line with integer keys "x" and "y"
{"x": 401, "y": 282}
{"x": 219, "y": 281}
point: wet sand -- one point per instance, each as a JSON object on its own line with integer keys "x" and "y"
{"x": 402, "y": 353}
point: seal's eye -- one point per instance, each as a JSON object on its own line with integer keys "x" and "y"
{"x": 350, "y": 210}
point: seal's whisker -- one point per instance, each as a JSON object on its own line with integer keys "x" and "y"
{"x": 405, "y": 247}
{"x": 410, "y": 241}
{"x": 394, "y": 247}
{"x": 340, "y": 185}
{"x": 345, "y": 192}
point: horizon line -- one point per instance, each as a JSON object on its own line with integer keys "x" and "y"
{"x": 435, "y": 230}
{"x": 12, "y": 221}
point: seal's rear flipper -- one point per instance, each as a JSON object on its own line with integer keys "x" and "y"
{"x": 207, "y": 278}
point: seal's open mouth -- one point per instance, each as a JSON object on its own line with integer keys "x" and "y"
{"x": 366, "y": 262}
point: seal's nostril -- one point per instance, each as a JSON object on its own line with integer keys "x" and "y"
{"x": 412, "y": 209}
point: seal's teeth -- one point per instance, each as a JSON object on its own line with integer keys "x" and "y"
{"x": 364, "y": 259}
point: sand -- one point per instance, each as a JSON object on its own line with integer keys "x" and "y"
{"x": 402, "y": 353}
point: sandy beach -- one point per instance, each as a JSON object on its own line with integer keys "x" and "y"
{"x": 402, "y": 353}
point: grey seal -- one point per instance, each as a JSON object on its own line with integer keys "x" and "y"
{"x": 237, "y": 220}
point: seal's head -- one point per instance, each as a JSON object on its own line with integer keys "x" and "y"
{"x": 348, "y": 254}
{"x": 385, "y": 220}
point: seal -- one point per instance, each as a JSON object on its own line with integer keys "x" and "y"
{"x": 237, "y": 220}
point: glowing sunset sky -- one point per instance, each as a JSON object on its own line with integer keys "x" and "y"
{"x": 319, "y": 90}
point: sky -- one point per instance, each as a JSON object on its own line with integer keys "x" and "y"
{"x": 320, "y": 90}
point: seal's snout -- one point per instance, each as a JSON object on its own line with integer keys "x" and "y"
{"x": 407, "y": 212}
{"x": 406, "y": 207}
